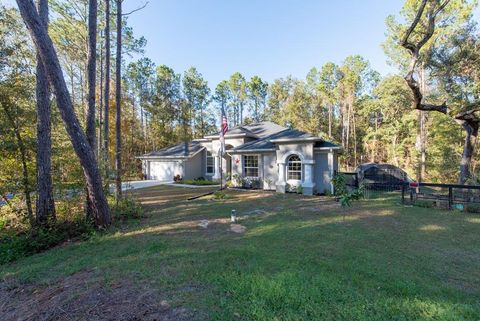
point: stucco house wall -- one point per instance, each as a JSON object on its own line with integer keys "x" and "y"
{"x": 304, "y": 150}
{"x": 270, "y": 143}
{"x": 195, "y": 166}
{"x": 234, "y": 142}
{"x": 270, "y": 171}
{"x": 322, "y": 173}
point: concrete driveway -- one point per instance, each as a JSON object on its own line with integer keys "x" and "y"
{"x": 126, "y": 186}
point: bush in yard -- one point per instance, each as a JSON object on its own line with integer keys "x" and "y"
{"x": 251, "y": 183}
{"x": 238, "y": 180}
{"x": 344, "y": 195}
{"x": 219, "y": 195}
{"x": 126, "y": 208}
{"x": 197, "y": 182}
{"x": 18, "y": 240}
{"x": 472, "y": 208}
{"x": 298, "y": 189}
{"x": 39, "y": 239}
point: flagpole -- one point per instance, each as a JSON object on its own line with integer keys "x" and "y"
{"x": 223, "y": 130}
{"x": 221, "y": 171}
{"x": 221, "y": 149}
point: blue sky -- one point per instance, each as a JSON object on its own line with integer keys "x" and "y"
{"x": 265, "y": 37}
{"x": 268, "y": 38}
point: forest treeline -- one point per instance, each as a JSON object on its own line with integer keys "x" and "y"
{"x": 375, "y": 118}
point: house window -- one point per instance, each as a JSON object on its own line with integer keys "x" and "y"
{"x": 250, "y": 165}
{"x": 210, "y": 164}
{"x": 294, "y": 169}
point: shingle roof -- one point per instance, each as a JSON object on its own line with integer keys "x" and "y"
{"x": 266, "y": 131}
{"x": 325, "y": 144}
{"x": 260, "y": 130}
{"x": 265, "y": 143}
{"x": 179, "y": 150}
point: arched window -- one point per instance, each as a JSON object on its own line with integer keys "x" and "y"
{"x": 210, "y": 163}
{"x": 294, "y": 168}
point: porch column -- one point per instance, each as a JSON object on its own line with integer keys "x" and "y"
{"x": 216, "y": 175}
{"x": 281, "y": 184}
{"x": 308, "y": 183}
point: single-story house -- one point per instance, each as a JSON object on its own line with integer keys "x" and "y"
{"x": 278, "y": 158}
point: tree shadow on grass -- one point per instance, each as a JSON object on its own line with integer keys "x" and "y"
{"x": 295, "y": 261}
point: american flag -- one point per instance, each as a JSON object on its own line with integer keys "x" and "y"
{"x": 224, "y": 124}
{"x": 223, "y": 131}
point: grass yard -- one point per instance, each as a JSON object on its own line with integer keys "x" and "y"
{"x": 300, "y": 258}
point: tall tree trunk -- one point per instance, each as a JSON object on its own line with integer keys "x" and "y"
{"x": 72, "y": 84}
{"x": 354, "y": 124}
{"x": 374, "y": 143}
{"x": 471, "y": 130}
{"x": 394, "y": 146}
{"x": 347, "y": 132}
{"x": 330, "y": 115}
{"x": 106, "y": 94}
{"x": 23, "y": 156}
{"x": 202, "y": 122}
{"x": 241, "y": 114}
{"x": 78, "y": 138}
{"x": 100, "y": 109}
{"x": 421, "y": 144}
{"x": 45, "y": 205}
{"x": 118, "y": 104}
{"x": 142, "y": 127}
{"x": 92, "y": 82}
{"x": 82, "y": 96}
{"x": 132, "y": 131}
{"x": 343, "y": 117}
{"x": 92, "y": 71}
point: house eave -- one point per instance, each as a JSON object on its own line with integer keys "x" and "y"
{"x": 169, "y": 157}
{"x": 292, "y": 140}
{"x": 163, "y": 157}
{"x": 328, "y": 149}
{"x": 227, "y": 136}
{"x": 260, "y": 150}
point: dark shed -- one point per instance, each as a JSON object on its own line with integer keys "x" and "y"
{"x": 373, "y": 173}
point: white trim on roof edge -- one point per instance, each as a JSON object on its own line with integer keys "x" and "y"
{"x": 231, "y": 136}
{"x": 260, "y": 150}
{"x": 298, "y": 139}
{"x": 171, "y": 157}
{"x": 328, "y": 148}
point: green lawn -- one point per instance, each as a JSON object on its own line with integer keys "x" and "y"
{"x": 300, "y": 258}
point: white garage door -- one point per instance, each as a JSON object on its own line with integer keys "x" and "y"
{"x": 164, "y": 171}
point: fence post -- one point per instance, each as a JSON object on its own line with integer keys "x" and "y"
{"x": 450, "y": 197}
